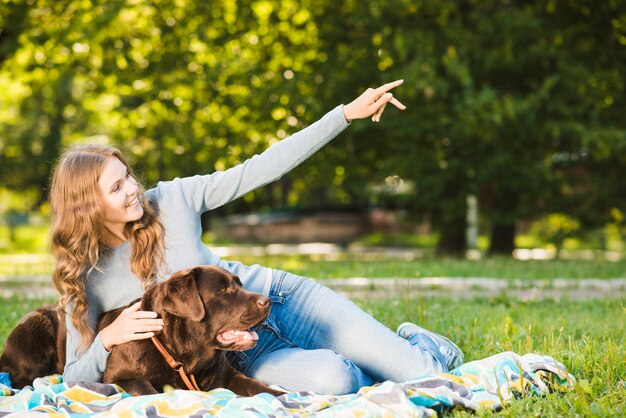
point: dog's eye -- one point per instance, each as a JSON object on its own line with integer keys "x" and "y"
{"x": 223, "y": 288}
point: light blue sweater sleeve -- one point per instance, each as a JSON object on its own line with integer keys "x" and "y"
{"x": 88, "y": 366}
{"x": 206, "y": 192}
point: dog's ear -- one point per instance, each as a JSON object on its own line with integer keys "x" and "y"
{"x": 181, "y": 296}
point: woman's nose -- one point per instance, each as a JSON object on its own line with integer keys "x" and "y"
{"x": 131, "y": 189}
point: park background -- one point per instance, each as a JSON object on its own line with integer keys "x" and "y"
{"x": 515, "y": 108}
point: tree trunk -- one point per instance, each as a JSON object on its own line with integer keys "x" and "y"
{"x": 502, "y": 238}
{"x": 52, "y": 141}
{"x": 453, "y": 238}
{"x": 15, "y": 22}
{"x": 285, "y": 187}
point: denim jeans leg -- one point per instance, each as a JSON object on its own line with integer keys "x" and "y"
{"x": 311, "y": 316}
{"x": 320, "y": 371}
{"x": 275, "y": 361}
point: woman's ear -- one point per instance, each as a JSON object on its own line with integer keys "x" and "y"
{"x": 181, "y": 296}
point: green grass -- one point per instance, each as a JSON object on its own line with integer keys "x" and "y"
{"x": 399, "y": 240}
{"x": 12, "y": 310}
{"x": 377, "y": 265}
{"x": 589, "y": 337}
{"x": 16, "y": 259}
{"x": 341, "y": 266}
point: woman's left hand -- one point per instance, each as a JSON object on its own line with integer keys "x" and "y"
{"x": 372, "y": 103}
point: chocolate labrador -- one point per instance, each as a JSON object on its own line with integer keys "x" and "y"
{"x": 205, "y": 311}
{"x": 35, "y": 347}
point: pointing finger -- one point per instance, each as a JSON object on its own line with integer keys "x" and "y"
{"x": 386, "y": 87}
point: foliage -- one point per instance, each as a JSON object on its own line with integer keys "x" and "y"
{"x": 556, "y": 228}
{"x": 519, "y": 103}
{"x": 29, "y": 239}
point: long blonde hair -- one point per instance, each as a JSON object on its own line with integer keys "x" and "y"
{"x": 76, "y": 234}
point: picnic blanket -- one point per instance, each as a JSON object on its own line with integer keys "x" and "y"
{"x": 483, "y": 384}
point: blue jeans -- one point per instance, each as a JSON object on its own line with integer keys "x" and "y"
{"x": 316, "y": 340}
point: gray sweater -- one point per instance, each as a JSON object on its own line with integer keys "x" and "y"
{"x": 181, "y": 202}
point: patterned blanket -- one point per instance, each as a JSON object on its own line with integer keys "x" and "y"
{"x": 483, "y": 384}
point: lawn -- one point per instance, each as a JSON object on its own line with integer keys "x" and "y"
{"x": 341, "y": 265}
{"x": 378, "y": 265}
{"x": 589, "y": 337}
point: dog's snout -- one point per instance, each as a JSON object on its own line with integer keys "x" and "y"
{"x": 263, "y": 301}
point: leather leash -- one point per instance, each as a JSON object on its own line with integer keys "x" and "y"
{"x": 176, "y": 365}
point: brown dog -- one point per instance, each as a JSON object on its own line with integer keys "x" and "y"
{"x": 205, "y": 311}
{"x": 35, "y": 347}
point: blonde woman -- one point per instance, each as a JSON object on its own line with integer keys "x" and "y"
{"x": 112, "y": 240}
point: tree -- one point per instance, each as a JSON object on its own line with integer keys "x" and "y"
{"x": 518, "y": 103}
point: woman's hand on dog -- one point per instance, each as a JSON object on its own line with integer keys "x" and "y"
{"x": 372, "y": 103}
{"x": 131, "y": 324}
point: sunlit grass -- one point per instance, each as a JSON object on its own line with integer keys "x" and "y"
{"x": 399, "y": 240}
{"x": 589, "y": 337}
{"x": 12, "y": 309}
{"x": 341, "y": 266}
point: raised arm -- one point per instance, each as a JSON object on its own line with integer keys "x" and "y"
{"x": 207, "y": 192}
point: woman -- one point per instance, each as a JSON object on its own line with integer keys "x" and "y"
{"x": 112, "y": 241}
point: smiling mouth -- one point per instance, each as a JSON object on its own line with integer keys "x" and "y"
{"x": 133, "y": 202}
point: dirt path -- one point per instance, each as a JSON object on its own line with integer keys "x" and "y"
{"x": 470, "y": 287}
{"x": 38, "y": 286}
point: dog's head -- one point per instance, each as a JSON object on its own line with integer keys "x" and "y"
{"x": 213, "y": 302}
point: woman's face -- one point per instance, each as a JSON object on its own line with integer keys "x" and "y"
{"x": 118, "y": 190}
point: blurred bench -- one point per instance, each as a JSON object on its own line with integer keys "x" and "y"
{"x": 295, "y": 227}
